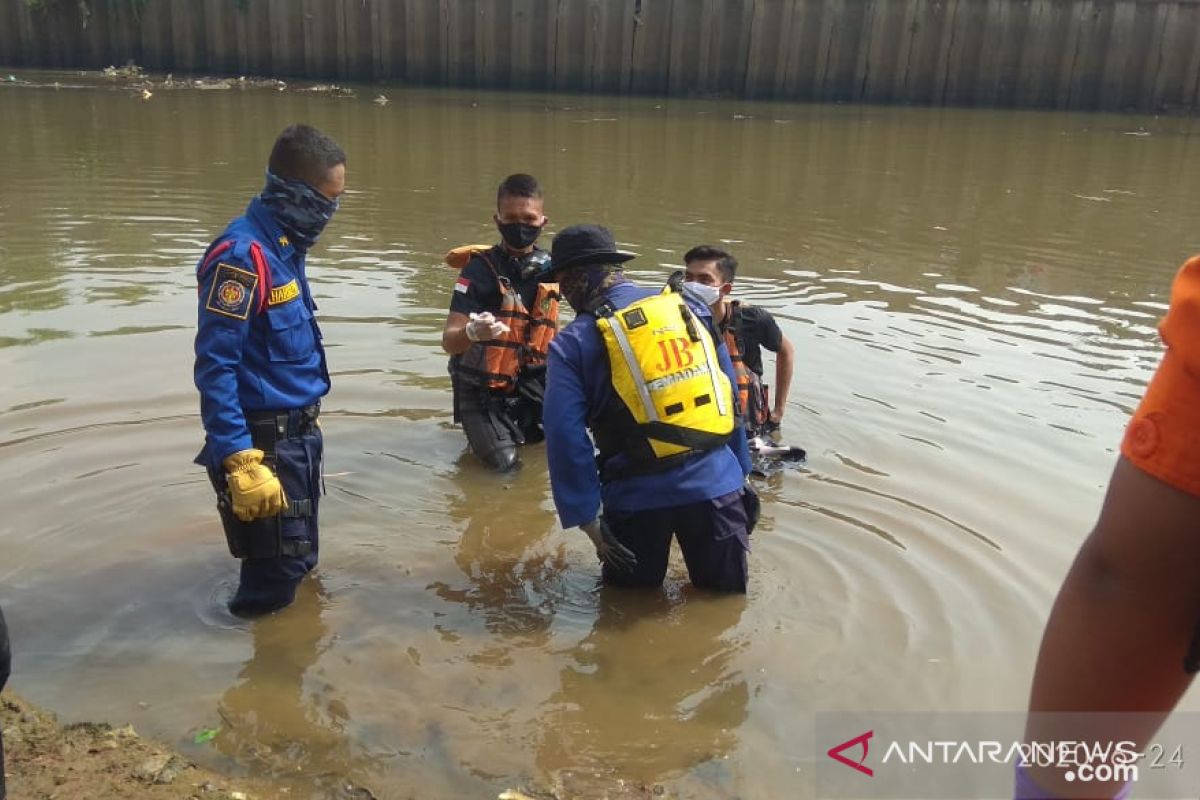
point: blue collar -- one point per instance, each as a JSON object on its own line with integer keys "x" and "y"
{"x": 276, "y": 239}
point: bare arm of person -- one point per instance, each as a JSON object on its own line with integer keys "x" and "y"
{"x": 1123, "y": 620}
{"x": 454, "y": 333}
{"x": 785, "y": 361}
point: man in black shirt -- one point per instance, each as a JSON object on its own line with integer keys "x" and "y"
{"x": 747, "y": 330}
{"x": 502, "y": 318}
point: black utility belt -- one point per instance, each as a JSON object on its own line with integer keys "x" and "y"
{"x": 268, "y": 427}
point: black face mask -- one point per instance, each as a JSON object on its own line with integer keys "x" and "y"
{"x": 518, "y": 235}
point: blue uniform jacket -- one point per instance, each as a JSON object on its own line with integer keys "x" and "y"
{"x": 578, "y": 384}
{"x": 258, "y": 347}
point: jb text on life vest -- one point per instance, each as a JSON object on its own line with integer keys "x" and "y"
{"x": 675, "y": 398}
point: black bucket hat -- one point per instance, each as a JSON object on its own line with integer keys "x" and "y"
{"x": 579, "y": 245}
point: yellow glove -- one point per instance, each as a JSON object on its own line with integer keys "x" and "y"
{"x": 254, "y": 489}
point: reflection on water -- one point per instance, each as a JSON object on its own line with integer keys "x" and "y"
{"x": 651, "y": 692}
{"x": 972, "y": 296}
{"x": 514, "y": 580}
{"x": 280, "y": 718}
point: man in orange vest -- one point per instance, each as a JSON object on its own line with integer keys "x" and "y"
{"x": 1123, "y": 635}
{"x": 498, "y": 331}
{"x": 747, "y": 329}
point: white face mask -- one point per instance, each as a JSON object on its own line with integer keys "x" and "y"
{"x": 703, "y": 292}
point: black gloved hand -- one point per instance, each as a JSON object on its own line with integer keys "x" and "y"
{"x": 752, "y": 505}
{"x": 611, "y": 552}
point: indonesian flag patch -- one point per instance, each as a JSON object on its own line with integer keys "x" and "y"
{"x": 461, "y": 285}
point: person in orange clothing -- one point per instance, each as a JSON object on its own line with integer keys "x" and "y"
{"x": 502, "y": 317}
{"x": 1124, "y": 632}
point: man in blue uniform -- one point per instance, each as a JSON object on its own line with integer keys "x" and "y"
{"x": 653, "y": 478}
{"x": 260, "y": 368}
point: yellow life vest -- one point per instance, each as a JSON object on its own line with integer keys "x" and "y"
{"x": 666, "y": 371}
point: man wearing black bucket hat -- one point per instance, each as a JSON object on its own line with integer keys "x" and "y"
{"x": 644, "y": 372}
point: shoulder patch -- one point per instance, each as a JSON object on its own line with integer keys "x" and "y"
{"x": 284, "y": 294}
{"x": 233, "y": 291}
{"x": 462, "y": 285}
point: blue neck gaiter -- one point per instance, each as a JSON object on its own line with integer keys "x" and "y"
{"x": 300, "y": 210}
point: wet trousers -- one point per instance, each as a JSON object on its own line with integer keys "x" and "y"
{"x": 277, "y": 552}
{"x": 714, "y": 536}
{"x": 497, "y": 424}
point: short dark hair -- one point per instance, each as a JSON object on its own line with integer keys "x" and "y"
{"x": 303, "y": 153}
{"x": 726, "y": 263}
{"x": 519, "y": 185}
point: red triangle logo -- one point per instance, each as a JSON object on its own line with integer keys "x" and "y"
{"x": 835, "y": 752}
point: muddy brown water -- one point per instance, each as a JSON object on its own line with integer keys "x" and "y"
{"x": 972, "y": 296}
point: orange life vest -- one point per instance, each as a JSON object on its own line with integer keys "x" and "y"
{"x": 751, "y": 393}
{"x": 497, "y": 363}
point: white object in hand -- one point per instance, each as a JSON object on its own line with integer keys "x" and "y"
{"x": 485, "y": 327}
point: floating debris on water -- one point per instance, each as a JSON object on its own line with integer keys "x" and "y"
{"x": 130, "y": 70}
{"x": 133, "y": 78}
{"x": 205, "y": 735}
{"x": 331, "y": 89}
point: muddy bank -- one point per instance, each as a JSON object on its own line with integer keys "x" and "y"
{"x": 45, "y": 760}
{"x": 49, "y": 761}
